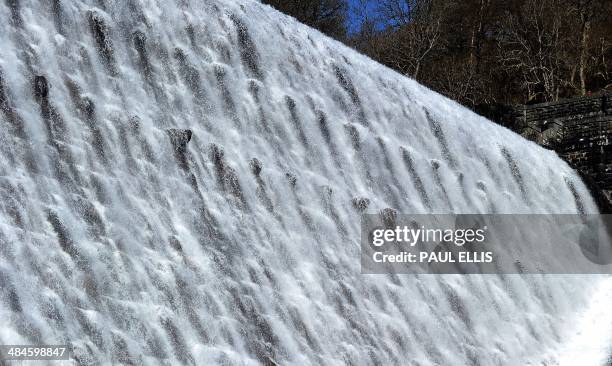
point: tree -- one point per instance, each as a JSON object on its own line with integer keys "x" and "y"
{"x": 589, "y": 13}
{"x": 548, "y": 46}
{"x": 482, "y": 53}
{"x": 533, "y": 46}
{"x": 585, "y": 12}
{"x": 413, "y": 32}
{"x": 328, "y": 16}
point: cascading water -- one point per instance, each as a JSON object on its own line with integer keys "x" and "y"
{"x": 182, "y": 182}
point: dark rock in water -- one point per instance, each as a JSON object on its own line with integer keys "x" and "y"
{"x": 361, "y": 203}
{"x": 516, "y": 172}
{"x": 10, "y": 294}
{"x": 222, "y": 84}
{"x": 232, "y": 184}
{"x": 227, "y": 178}
{"x": 52, "y": 118}
{"x": 179, "y": 139}
{"x": 437, "y": 131}
{"x": 100, "y": 32}
{"x": 15, "y": 8}
{"x": 4, "y": 103}
{"x": 414, "y": 175}
{"x": 217, "y": 155}
{"x": 295, "y": 119}
{"x": 8, "y": 291}
{"x": 256, "y": 166}
{"x": 291, "y": 178}
{"x": 64, "y": 239}
{"x": 323, "y": 126}
{"x": 88, "y": 107}
{"x": 175, "y": 243}
{"x": 579, "y": 203}
{"x": 134, "y": 123}
{"x": 248, "y": 51}
{"x": 190, "y": 75}
{"x": 7, "y": 109}
{"x": 353, "y": 134}
{"x": 41, "y": 88}
{"x": 345, "y": 82}
{"x": 435, "y": 169}
{"x": 139, "y": 39}
{"x": 83, "y": 104}
{"x": 177, "y": 341}
{"x": 218, "y": 158}
{"x": 389, "y": 217}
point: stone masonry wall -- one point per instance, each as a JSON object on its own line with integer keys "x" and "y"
{"x": 580, "y": 131}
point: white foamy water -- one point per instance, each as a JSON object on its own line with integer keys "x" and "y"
{"x": 592, "y": 342}
{"x": 237, "y": 243}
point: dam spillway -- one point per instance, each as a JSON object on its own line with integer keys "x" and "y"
{"x": 181, "y": 182}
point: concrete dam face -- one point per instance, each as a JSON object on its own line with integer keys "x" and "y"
{"x": 181, "y": 182}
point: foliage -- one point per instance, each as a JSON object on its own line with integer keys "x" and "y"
{"x": 482, "y": 53}
{"x": 328, "y": 16}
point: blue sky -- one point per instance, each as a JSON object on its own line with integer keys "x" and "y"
{"x": 357, "y": 13}
{"x": 355, "y": 16}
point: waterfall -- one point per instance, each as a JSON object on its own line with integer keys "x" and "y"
{"x": 182, "y": 181}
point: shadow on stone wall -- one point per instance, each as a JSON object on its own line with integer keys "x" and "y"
{"x": 579, "y": 130}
